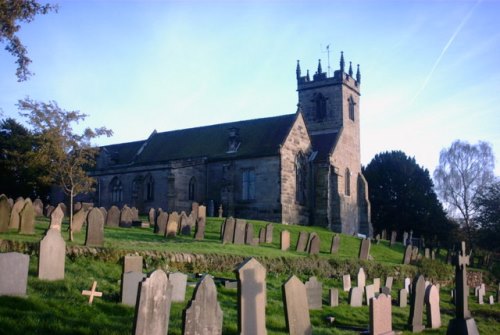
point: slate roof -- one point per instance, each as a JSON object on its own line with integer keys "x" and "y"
{"x": 259, "y": 138}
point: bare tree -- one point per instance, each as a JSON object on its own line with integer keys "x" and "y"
{"x": 464, "y": 170}
{"x": 63, "y": 153}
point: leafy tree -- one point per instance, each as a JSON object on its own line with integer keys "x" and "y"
{"x": 488, "y": 217}
{"x": 463, "y": 171}
{"x": 402, "y": 197}
{"x": 11, "y": 13}
{"x": 61, "y": 151}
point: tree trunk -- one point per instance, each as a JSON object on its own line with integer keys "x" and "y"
{"x": 71, "y": 215}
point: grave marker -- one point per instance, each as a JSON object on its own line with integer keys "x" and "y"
{"x": 334, "y": 297}
{"x": 376, "y": 285}
{"x": 239, "y": 232}
{"x": 432, "y": 303}
{"x": 130, "y": 286}
{"x": 335, "y": 244}
{"x": 78, "y": 220}
{"x": 302, "y": 241}
{"x": 4, "y": 213}
{"x": 95, "y": 229}
{"x": 356, "y": 297}
{"x": 296, "y": 307}
{"x": 285, "y": 240}
{"x": 346, "y": 280}
{"x": 381, "y": 315}
{"x": 172, "y": 225}
{"x": 388, "y": 282}
{"x": 313, "y": 244}
{"x": 161, "y": 223}
{"x": 228, "y": 233}
{"x": 178, "y": 281}
{"x": 14, "y": 214}
{"x": 199, "y": 233}
{"x": 394, "y": 235}
{"x": 13, "y": 273}
{"x": 126, "y": 217}
{"x": 314, "y": 290}
{"x": 92, "y": 293}
{"x": 407, "y": 255}
{"x": 417, "y": 305}
{"x": 269, "y": 233}
{"x": 364, "y": 249}
{"x": 132, "y": 263}
{"x": 113, "y": 217}
{"x": 361, "y": 278}
{"x": 403, "y": 298}
{"x": 369, "y": 293}
{"x": 52, "y": 256}
{"x": 27, "y": 218}
{"x": 56, "y": 217}
{"x": 249, "y": 240}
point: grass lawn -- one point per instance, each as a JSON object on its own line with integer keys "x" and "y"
{"x": 59, "y": 308}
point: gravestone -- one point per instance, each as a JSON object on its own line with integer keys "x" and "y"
{"x": 38, "y": 207}
{"x": 262, "y": 235}
{"x": 346, "y": 281}
{"x": 403, "y": 297}
{"x": 384, "y": 234}
{"x": 4, "y": 213}
{"x": 161, "y": 223}
{"x": 491, "y": 300}
{"x": 385, "y": 290}
{"x": 334, "y": 297}
{"x": 239, "y": 232}
{"x": 132, "y": 263}
{"x": 432, "y": 303}
{"x": 79, "y": 219}
{"x": 185, "y": 228}
{"x": 364, "y": 249}
{"x": 152, "y": 311}
{"x": 269, "y": 233}
{"x": 130, "y": 286}
{"x": 407, "y": 284}
{"x": 314, "y": 290}
{"x": 414, "y": 254}
{"x": 252, "y": 295}
{"x": 152, "y": 216}
{"x": 126, "y": 217}
{"x": 178, "y": 281}
{"x": 199, "y": 233}
{"x": 202, "y": 212}
{"x": 13, "y": 273}
{"x": 376, "y": 285}
{"x": 361, "y": 278}
{"x": 204, "y": 315}
{"x": 95, "y": 229}
{"x": 369, "y": 293}
{"x": 415, "y": 320}
{"x": 172, "y": 225}
{"x": 313, "y": 244}
{"x": 221, "y": 211}
{"x": 335, "y": 244}
{"x": 228, "y": 233}
{"x": 27, "y": 218}
{"x": 56, "y": 218}
{"x": 249, "y": 240}
{"x": 77, "y": 206}
{"x": 52, "y": 256}
{"x": 48, "y": 210}
{"x": 405, "y": 238}
{"x": 104, "y": 213}
{"x": 285, "y": 240}
{"x": 388, "y": 282}
{"x": 407, "y": 256}
{"x": 394, "y": 235}
{"x": 480, "y": 294}
{"x": 14, "y": 214}
{"x": 302, "y": 241}
{"x": 296, "y": 307}
{"x": 135, "y": 213}
{"x": 433, "y": 255}
{"x": 427, "y": 253}
{"x": 381, "y": 315}
{"x": 194, "y": 211}
{"x": 356, "y": 297}
{"x": 113, "y": 218}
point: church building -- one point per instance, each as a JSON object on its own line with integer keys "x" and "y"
{"x": 302, "y": 168}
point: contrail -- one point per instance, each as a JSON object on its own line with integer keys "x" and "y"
{"x": 438, "y": 60}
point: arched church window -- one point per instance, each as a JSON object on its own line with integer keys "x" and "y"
{"x": 192, "y": 188}
{"x": 116, "y": 190}
{"x": 136, "y": 187}
{"x": 351, "y": 108}
{"x": 150, "y": 187}
{"x": 248, "y": 185}
{"x": 347, "y": 182}
{"x": 320, "y": 107}
{"x": 300, "y": 178}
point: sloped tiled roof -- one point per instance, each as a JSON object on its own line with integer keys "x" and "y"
{"x": 123, "y": 153}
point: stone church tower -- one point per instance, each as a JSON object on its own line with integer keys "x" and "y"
{"x": 330, "y": 106}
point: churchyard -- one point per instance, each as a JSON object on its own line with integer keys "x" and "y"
{"x": 57, "y": 306}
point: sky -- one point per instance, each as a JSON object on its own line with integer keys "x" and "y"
{"x": 430, "y": 69}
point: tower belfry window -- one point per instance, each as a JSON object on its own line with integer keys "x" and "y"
{"x": 351, "y": 108}
{"x": 320, "y": 107}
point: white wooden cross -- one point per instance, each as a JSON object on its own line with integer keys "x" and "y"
{"x": 92, "y": 293}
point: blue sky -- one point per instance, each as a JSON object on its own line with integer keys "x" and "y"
{"x": 430, "y": 69}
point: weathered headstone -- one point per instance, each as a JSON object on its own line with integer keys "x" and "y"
{"x": 251, "y": 297}
{"x": 405, "y": 238}
{"x": 113, "y": 218}
{"x": 269, "y": 233}
{"x": 130, "y": 286}
{"x": 369, "y": 293}
{"x": 414, "y": 254}
{"x": 415, "y": 320}
{"x": 296, "y": 307}
{"x": 427, "y": 253}
{"x": 384, "y": 234}
{"x": 361, "y": 278}
{"x": 314, "y": 290}
{"x": 334, "y": 297}
{"x": 228, "y": 233}
{"x": 249, "y": 239}
{"x": 56, "y": 218}
{"x": 152, "y": 310}
{"x": 239, "y": 232}
{"x": 313, "y": 244}
{"x": 185, "y": 227}
{"x": 95, "y": 228}
{"x": 13, "y": 273}
{"x": 27, "y": 218}
{"x": 364, "y": 249}
{"x": 403, "y": 297}
{"x": 376, "y": 285}
{"x": 178, "y": 281}
{"x": 335, "y": 244}
{"x": 4, "y": 213}
{"x": 172, "y": 225}
{"x": 432, "y": 303}
{"x": 346, "y": 281}
{"x": 126, "y": 217}
{"x": 48, "y": 210}
{"x": 199, "y": 233}
{"x": 202, "y": 212}
{"x": 491, "y": 300}
{"x": 135, "y": 213}
{"x": 52, "y": 256}
{"x": 394, "y": 235}
{"x": 302, "y": 241}
{"x": 407, "y": 256}
{"x": 388, "y": 282}
{"x": 381, "y": 315}
{"x": 204, "y": 315}
{"x": 221, "y": 211}
{"x": 14, "y": 214}
{"x": 285, "y": 240}
{"x": 152, "y": 216}
{"x": 132, "y": 263}
{"x": 407, "y": 284}
{"x": 161, "y": 223}
{"x": 78, "y": 220}
{"x": 262, "y": 235}
{"x": 104, "y": 213}
{"x": 356, "y": 297}
{"x": 38, "y": 207}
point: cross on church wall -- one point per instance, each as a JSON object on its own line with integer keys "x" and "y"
{"x": 92, "y": 293}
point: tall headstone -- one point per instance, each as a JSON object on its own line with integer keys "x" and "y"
{"x": 249, "y": 240}
{"x": 334, "y": 297}
{"x": 262, "y": 235}
{"x": 185, "y": 227}
{"x": 38, "y": 207}
{"x": 407, "y": 256}
{"x": 95, "y": 228}
{"x": 56, "y": 218}
{"x": 335, "y": 244}
{"x": 356, "y": 297}
{"x": 172, "y": 225}
{"x": 152, "y": 216}
{"x": 239, "y": 232}
{"x": 178, "y": 281}
{"x": 13, "y": 273}
{"x": 204, "y": 315}
{"x": 269, "y": 233}
{"x": 4, "y": 213}
{"x": 195, "y": 211}
{"x": 394, "y": 235}
{"x": 346, "y": 281}
{"x": 407, "y": 284}
{"x": 415, "y": 320}
{"x": 199, "y": 233}
{"x": 161, "y": 223}
{"x": 388, "y": 282}
{"x": 104, "y": 213}
{"x": 113, "y": 218}
{"x": 403, "y": 298}
{"x": 364, "y": 249}
{"x": 369, "y": 293}
{"x": 52, "y": 256}
{"x": 427, "y": 253}
{"x": 14, "y": 214}
{"x": 381, "y": 315}
{"x": 314, "y": 290}
{"x": 313, "y": 244}
{"x": 130, "y": 286}
{"x": 302, "y": 241}
{"x": 361, "y": 278}
{"x": 376, "y": 285}
{"x": 405, "y": 238}
{"x": 296, "y": 307}
{"x": 27, "y": 218}
{"x": 463, "y": 322}
{"x": 432, "y": 303}
{"x": 132, "y": 263}
{"x": 152, "y": 310}
{"x": 79, "y": 219}
{"x": 251, "y": 297}
{"x": 202, "y": 212}
{"x": 285, "y": 240}
{"x": 228, "y": 233}
{"x": 126, "y": 217}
